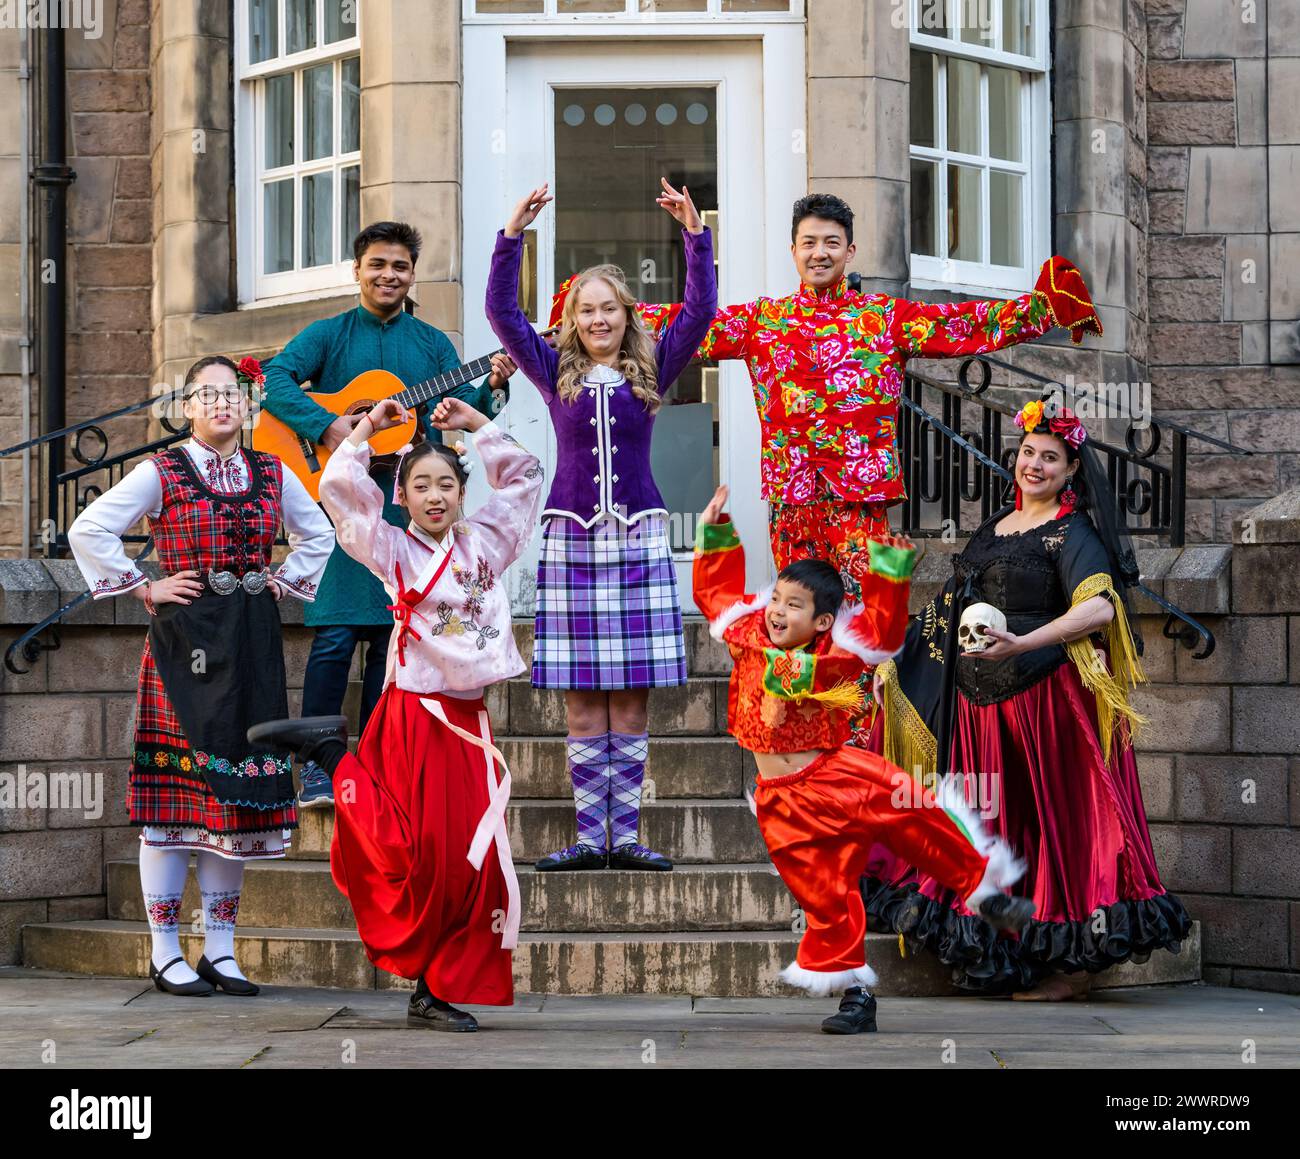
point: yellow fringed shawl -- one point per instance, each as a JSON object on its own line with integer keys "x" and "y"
{"x": 909, "y": 744}
{"x": 1111, "y": 688}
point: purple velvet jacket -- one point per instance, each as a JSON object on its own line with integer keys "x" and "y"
{"x": 603, "y": 436}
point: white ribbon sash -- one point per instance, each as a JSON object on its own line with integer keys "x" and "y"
{"x": 492, "y": 825}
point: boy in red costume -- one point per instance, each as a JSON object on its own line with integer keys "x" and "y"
{"x": 798, "y": 652}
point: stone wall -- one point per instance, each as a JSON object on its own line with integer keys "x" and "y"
{"x": 1224, "y": 178}
{"x": 1219, "y": 773}
{"x": 73, "y": 713}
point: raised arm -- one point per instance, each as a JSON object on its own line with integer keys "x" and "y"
{"x": 683, "y": 335}
{"x": 875, "y": 631}
{"x": 718, "y": 573}
{"x": 962, "y": 329}
{"x": 515, "y": 475}
{"x": 356, "y": 504}
{"x": 535, "y": 358}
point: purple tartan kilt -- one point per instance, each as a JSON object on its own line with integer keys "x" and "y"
{"x": 608, "y": 616}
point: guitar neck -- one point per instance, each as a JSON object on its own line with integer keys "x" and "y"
{"x": 435, "y": 388}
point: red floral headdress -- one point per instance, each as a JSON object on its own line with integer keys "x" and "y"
{"x": 1057, "y": 420}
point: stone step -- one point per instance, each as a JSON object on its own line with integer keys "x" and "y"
{"x": 677, "y": 767}
{"x": 302, "y": 894}
{"x": 709, "y": 964}
{"x": 685, "y": 830}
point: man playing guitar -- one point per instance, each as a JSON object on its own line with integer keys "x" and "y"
{"x": 378, "y": 334}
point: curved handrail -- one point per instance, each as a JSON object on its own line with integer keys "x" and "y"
{"x": 31, "y": 647}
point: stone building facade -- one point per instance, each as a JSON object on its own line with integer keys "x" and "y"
{"x": 1162, "y": 151}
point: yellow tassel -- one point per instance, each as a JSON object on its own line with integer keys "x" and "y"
{"x": 909, "y": 744}
{"x": 902, "y": 949}
{"x": 1110, "y": 688}
{"x": 845, "y": 696}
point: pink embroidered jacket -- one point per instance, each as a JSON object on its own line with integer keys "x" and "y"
{"x": 456, "y": 636}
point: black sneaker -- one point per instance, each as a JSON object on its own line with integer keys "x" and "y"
{"x": 304, "y": 735}
{"x": 1004, "y": 912}
{"x": 574, "y": 857}
{"x": 857, "y": 1014}
{"x": 430, "y": 1013}
{"x": 634, "y": 856}
{"x": 316, "y": 790}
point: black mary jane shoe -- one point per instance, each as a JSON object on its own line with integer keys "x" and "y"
{"x": 574, "y": 857}
{"x": 304, "y": 735}
{"x": 430, "y": 1013}
{"x": 196, "y": 989}
{"x": 637, "y": 857}
{"x": 241, "y": 987}
{"x": 857, "y": 1014}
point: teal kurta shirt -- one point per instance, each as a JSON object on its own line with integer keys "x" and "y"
{"x": 325, "y": 357}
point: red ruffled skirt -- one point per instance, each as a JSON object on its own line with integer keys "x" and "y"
{"x": 1040, "y": 781}
{"x": 406, "y": 810}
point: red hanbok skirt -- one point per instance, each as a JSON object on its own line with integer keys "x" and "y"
{"x": 1040, "y": 781}
{"x": 406, "y": 809}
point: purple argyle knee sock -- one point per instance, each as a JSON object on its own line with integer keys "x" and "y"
{"x": 627, "y": 756}
{"x": 589, "y": 771}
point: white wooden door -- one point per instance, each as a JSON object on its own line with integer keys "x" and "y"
{"x": 599, "y": 121}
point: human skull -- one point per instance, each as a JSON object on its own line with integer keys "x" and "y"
{"x": 974, "y": 621}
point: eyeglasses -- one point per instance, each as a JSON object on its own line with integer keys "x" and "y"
{"x": 211, "y": 395}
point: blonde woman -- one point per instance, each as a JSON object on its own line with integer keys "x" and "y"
{"x": 609, "y": 625}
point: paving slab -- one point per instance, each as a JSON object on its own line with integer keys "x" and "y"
{"x": 115, "y": 1023}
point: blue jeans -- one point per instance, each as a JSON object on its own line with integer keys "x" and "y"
{"x": 325, "y": 683}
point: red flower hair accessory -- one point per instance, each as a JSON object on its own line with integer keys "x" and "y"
{"x": 249, "y": 372}
{"x": 1045, "y": 417}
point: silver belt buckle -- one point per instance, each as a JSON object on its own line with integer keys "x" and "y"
{"x": 225, "y": 582}
{"x": 222, "y": 582}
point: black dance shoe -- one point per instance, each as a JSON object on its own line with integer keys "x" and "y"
{"x": 430, "y": 1013}
{"x": 196, "y": 989}
{"x": 306, "y": 735}
{"x": 1004, "y": 912}
{"x": 574, "y": 857}
{"x": 239, "y": 986}
{"x": 857, "y": 1014}
{"x": 635, "y": 856}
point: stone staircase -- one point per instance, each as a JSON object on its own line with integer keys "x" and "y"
{"x": 722, "y": 923}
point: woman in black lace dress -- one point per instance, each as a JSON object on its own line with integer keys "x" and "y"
{"x": 1041, "y": 730}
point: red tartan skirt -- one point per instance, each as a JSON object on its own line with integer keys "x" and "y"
{"x": 165, "y": 787}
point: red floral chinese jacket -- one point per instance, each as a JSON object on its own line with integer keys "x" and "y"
{"x": 789, "y": 700}
{"x": 827, "y": 370}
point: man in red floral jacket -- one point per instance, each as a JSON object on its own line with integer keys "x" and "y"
{"x": 827, "y": 364}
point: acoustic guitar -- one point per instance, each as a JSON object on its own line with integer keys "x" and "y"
{"x": 307, "y": 460}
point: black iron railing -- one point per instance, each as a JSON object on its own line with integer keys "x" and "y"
{"x": 956, "y": 445}
{"x": 953, "y": 484}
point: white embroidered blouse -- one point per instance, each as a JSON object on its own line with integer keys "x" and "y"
{"x": 96, "y": 534}
{"x": 458, "y": 636}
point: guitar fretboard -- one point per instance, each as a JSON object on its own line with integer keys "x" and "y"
{"x": 432, "y": 388}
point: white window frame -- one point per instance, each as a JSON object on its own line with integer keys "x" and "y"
{"x": 940, "y": 273}
{"x": 256, "y": 288}
{"x": 630, "y": 13}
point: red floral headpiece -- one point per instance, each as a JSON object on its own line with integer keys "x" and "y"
{"x": 1056, "y": 420}
{"x": 249, "y": 372}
